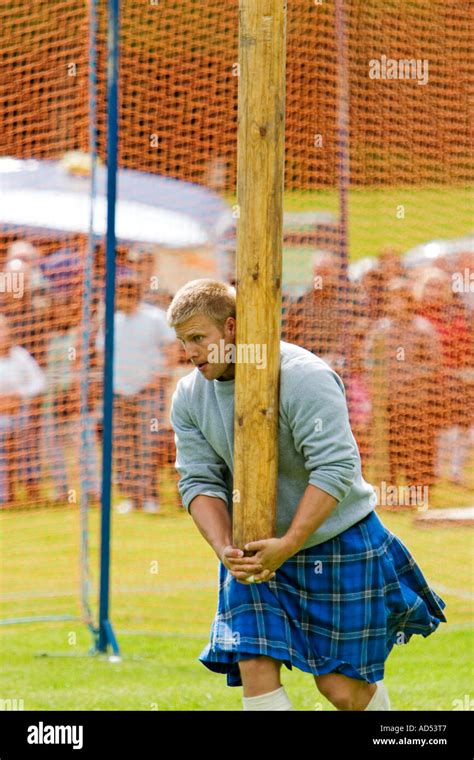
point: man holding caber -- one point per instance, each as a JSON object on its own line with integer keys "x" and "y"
{"x": 334, "y": 590}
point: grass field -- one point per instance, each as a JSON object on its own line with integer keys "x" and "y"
{"x": 162, "y": 618}
{"x": 402, "y": 217}
{"x": 396, "y": 216}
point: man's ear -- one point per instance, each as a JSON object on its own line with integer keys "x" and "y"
{"x": 230, "y": 324}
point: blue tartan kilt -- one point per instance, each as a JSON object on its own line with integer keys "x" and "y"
{"x": 338, "y": 607}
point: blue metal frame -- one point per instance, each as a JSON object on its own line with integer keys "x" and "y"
{"x": 106, "y": 636}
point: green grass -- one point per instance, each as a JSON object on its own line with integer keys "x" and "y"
{"x": 428, "y": 213}
{"x": 162, "y": 619}
{"x": 161, "y": 673}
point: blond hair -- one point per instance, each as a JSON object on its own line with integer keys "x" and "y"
{"x": 214, "y": 299}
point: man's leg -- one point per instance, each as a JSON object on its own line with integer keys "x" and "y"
{"x": 351, "y": 693}
{"x": 262, "y": 686}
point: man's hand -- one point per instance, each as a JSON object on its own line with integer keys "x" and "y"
{"x": 242, "y": 567}
{"x": 270, "y": 554}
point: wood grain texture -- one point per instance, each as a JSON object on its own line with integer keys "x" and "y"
{"x": 260, "y": 178}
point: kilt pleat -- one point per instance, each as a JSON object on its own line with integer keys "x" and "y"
{"x": 339, "y": 606}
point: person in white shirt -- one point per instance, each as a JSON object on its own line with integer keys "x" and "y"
{"x": 144, "y": 349}
{"x": 21, "y": 379}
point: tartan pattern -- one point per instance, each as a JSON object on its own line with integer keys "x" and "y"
{"x": 339, "y": 606}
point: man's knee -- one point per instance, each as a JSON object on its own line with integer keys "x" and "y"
{"x": 338, "y": 694}
{"x": 343, "y": 700}
{"x": 260, "y": 674}
{"x": 343, "y": 692}
{"x": 259, "y": 665}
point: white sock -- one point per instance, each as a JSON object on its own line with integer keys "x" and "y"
{"x": 272, "y": 700}
{"x": 380, "y": 699}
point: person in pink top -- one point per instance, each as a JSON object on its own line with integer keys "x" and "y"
{"x": 410, "y": 347}
{"x": 438, "y": 303}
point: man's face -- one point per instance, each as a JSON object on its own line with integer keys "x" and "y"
{"x": 199, "y": 335}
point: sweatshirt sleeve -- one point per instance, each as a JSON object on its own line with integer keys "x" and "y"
{"x": 314, "y": 400}
{"x": 201, "y": 470}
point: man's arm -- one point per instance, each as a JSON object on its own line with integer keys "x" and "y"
{"x": 202, "y": 471}
{"x": 313, "y": 509}
{"x": 202, "y": 485}
{"x": 213, "y": 521}
{"x": 314, "y": 401}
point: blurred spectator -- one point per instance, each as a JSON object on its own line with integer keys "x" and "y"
{"x": 145, "y": 349}
{"x": 408, "y": 347}
{"x": 217, "y": 174}
{"x": 21, "y": 379}
{"x": 61, "y": 413}
{"x": 374, "y": 282}
{"x": 374, "y": 286}
{"x": 390, "y": 263}
{"x": 464, "y": 271}
{"x": 437, "y": 302}
{"x": 329, "y": 319}
{"x": 22, "y": 250}
{"x": 63, "y": 271}
{"x": 359, "y": 401}
{"x": 27, "y": 312}
{"x": 143, "y": 261}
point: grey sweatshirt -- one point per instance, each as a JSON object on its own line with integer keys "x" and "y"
{"x": 315, "y": 445}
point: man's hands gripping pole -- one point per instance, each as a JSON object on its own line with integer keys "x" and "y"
{"x": 213, "y": 521}
{"x": 268, "y": 555}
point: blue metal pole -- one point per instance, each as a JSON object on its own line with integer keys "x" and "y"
{"x": 106, "y": 634}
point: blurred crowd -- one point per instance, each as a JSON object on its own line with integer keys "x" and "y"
{"x": 51, "y": 366}
{"x": 402, "y": 340}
